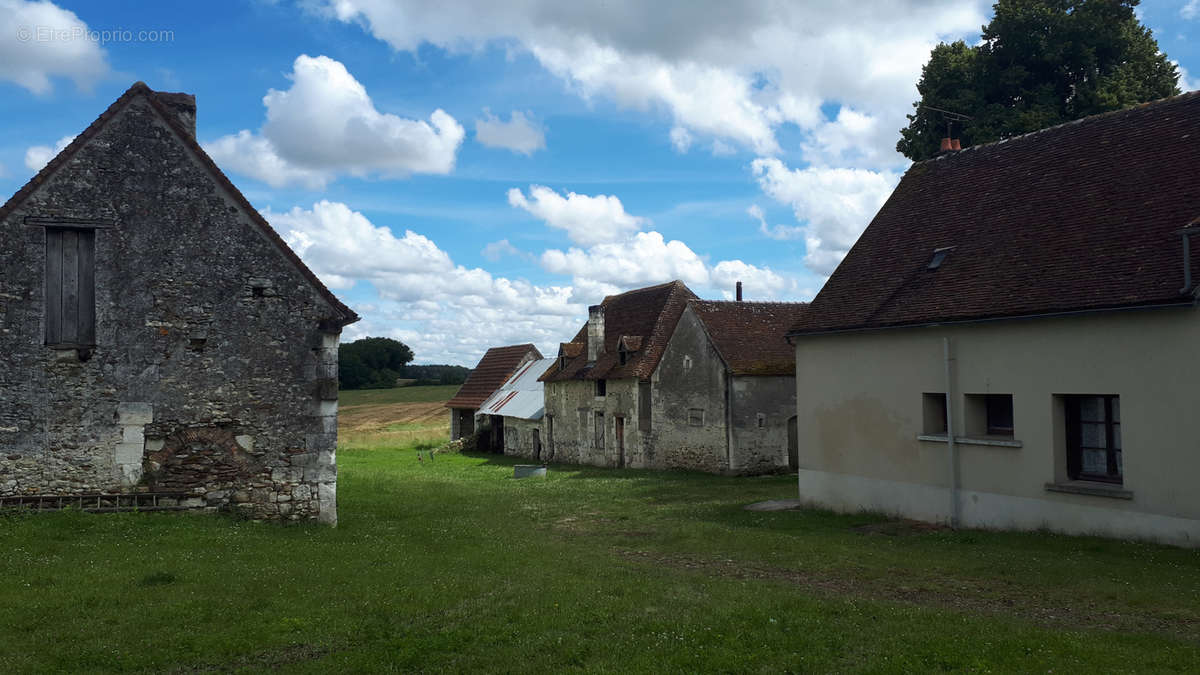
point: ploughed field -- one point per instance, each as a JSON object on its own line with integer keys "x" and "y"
{"x": 394, "y": 417}
{"x": 446, "y": 563}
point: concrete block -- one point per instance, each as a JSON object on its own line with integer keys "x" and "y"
{"x": 129, "y": 453}
{"x": 134, "y": 413}
{"x": 133, "y": 434}
{"x": 327, "y": 508}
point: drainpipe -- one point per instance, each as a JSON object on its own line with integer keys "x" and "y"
{"x": 954, "y": 509}
{"x": 728, "y": 421}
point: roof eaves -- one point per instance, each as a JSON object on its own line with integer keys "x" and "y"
{"x": 1190, "y": 301}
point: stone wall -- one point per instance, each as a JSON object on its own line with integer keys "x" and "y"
{"x": 209, "y": 373}
{"x": 689, "y": 402}
{"x": 518, "y": 439}
{"x": 573, "y": 407}
{"x": 762, "y": 406}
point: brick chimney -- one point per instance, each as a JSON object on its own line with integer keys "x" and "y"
{"x": 595, "y": 332}
{"x": 183, "y": 106}
{"x": 739, "y": 291}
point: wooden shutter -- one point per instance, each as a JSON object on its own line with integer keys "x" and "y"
{"x": 70, "y": 287}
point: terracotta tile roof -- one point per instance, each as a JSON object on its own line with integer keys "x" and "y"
{"x": 164, "y": 102}
{"x": 650, "y": 313}
{"x": 492, "y": 371}
{"x": 1079, "y": 217}
{"x": 750, "y": 336}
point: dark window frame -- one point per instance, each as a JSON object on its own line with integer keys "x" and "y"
{"x": 601, "y": 388}
{"x": 1114, "y": 469}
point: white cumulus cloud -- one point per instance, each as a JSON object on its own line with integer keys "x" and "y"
{"x": 833, "y": 206}
{"x": 38, "y": 156}
{"x": 326, "y": 125}
{"x": 587, "y": 220}
{"x": 520, "y": 133}
{"x": 40, "y": 41}
{"x": 732, "y": 72}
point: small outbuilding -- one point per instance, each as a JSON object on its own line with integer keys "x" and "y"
{"x": 517, "y": 408}
{"x": 493, "y": 370}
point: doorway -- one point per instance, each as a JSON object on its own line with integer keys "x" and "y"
{"x": 537, "y": 444}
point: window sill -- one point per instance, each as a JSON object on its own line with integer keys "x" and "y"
{"x": 1083, "y": 487}
{"x": 966, "y": 440}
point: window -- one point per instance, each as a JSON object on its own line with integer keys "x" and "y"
{"x": 601, "y": 388}
{"x": 644, "y": 407}
{"x": 687, "y": 363}
{"x": 70, "y": 287}
{"x": 696, "y": 417}
{"x": 562, "y": 363}
{"x": 933, "y": 409}
{"x": 1094, "y": 438}
{"x": 999, "y": 414}
{"x": 623, "y": 356}
{"x": 988, "y": 415}
{"x": 762, "y": 421}
{"x": 599, "y": 429}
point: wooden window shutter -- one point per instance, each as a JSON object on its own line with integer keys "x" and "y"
{"x": 70, "y": 287}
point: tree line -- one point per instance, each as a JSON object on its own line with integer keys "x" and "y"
{"x": 382, "y": 363}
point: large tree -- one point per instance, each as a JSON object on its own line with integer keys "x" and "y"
{"x": 372, "y": 363}
{"x": 1040, "y": 63}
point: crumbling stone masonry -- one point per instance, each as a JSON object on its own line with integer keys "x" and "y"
{"x": 156, "y": 335}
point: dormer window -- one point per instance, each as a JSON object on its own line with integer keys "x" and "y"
{"x": 562, "y": 363}
{"x": 939, "y": 255}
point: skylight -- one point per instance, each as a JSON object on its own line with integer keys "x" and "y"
{"x": 939, "y": 254}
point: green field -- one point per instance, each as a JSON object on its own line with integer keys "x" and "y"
{"x": 449, "y": 564}
{"x": 353, "y": 397}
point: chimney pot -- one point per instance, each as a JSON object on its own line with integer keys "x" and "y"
{"x": 947, "y": 144}
{"x": 183, "y": 106}
{"x": 956, "y": 145}
{"x": 739, "y": 291}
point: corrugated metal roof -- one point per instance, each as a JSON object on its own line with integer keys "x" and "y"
{"x": 521, "y": 396}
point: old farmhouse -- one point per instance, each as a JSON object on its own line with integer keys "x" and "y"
{"x": 159, "y": 339}
{"x": 493, "y": 370}
{"x": 659, "y": 379}
{"x": 1016, "y": 316}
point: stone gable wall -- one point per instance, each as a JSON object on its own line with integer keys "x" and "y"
{"x": 209, "y": 373}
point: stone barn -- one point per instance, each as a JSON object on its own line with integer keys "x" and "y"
{"x": 493, "y": 370}
{"x": 520, "y": 405}
{"x": 162, "y": 346}
{"x": 660, "y": 379}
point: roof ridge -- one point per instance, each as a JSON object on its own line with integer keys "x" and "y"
{"x": 1089, "y": 118}
{"x": 747, "y": 302}
{"x": 349, "y": 316}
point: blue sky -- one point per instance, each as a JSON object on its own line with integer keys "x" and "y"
{"x": 580, "y": 149}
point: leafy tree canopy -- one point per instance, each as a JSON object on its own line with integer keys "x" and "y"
{"x": 372, "y": 363}
{"x": 1040, "y": 63}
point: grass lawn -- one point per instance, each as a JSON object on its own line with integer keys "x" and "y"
{"x": 452, "y": 565}
{"x": 348, "y": 398}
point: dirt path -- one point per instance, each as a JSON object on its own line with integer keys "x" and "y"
{"x": 963, "y": 595}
